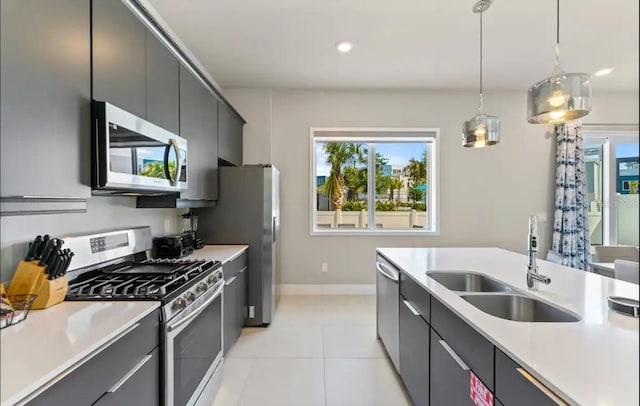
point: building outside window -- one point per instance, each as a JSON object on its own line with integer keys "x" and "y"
{"x": 374, "y": 181}
{"x": 612, "y": 177}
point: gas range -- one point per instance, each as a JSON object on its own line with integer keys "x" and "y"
{"x": 115, "y": 265}
{"x": 175, "y": 283}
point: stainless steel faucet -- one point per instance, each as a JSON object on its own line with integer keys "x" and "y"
{"x": 532, "y": 269}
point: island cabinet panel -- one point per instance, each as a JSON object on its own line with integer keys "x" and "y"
{"x": 414, "y": 353}
{"x": 475, "y": 350}
{"x": 449, "y": 379}
{"x": 119, "y": 56}
{"x": 415, "y": 294}
{"x": 45, "y": 75}
{"x": 104, "y": 375}
{"x": 515, "y": 386}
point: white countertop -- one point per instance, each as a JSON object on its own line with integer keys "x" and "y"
{"x": 590, "y": 362}
{"x": 222, "y": 253}
{"x": 51, "y": 341}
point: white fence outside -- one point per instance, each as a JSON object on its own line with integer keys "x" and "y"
{"x": 387, "y": 220}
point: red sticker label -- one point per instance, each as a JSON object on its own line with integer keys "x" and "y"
{"x": 480, "y": 394}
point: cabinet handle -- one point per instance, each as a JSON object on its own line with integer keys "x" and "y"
{"x": 386, "y": 272}
{"x": 130, "y": 373}
{"x": 411, "y": 308}
{"x": 230, "y": 281}
{"x": 541, "y": 387}
{"x": 455, "y": 356}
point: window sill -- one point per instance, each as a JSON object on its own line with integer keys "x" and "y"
{"x": 375, "y": 233}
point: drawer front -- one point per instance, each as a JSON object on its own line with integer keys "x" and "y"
{"x": 91, "y": 380}
{"x": 514, "y": 386}
{"x": 419, "y": 298}
{"x": 231, "y": 268}
{"x": 414, "y": 353}
{"x": 474, "y": 349}
{"x": 449, "y": 380}
{"x": 140, "y": 387}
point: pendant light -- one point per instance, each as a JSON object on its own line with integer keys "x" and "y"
{"x": 562, "y": 96}
{"x": 481, "y": 130}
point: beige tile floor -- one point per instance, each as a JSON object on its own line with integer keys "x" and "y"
{"x": 319, "y": 350}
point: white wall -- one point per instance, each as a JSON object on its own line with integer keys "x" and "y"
{"x": 255, "y": 106}
{"x": 486, "y": 194}
{"x": 102, "y": 213}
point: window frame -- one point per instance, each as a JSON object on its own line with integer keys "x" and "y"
{"x": 609, "y": 136}
{"x": 372, "y": 135}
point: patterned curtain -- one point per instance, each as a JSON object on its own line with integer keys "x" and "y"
{"x": 571, "y": 238}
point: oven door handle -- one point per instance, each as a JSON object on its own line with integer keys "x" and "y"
{"x": 200, "y": 308}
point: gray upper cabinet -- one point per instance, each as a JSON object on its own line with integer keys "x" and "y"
{"x": 119, "y": 55}
{"x": 162, "y": 85}
{"x": 45, "y": 76}
{"x": 229, "y": 135}
{"x": 198, "y": 124}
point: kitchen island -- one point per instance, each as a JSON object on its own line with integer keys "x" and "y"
{"x": 592, "y": 361}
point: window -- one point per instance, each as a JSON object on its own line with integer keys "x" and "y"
{"x": 612, "y": 176}
{"x": 374, "y": 181}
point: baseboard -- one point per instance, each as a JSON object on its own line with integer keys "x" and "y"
{"x": 328, "y": 289}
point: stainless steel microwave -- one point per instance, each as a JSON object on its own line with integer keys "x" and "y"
{"x": 133, "y": 156}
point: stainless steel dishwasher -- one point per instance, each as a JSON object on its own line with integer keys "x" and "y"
{"x": 388, "y": 308}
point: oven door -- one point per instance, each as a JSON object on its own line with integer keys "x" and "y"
{"x": 193, "y": 348}
{"x": 132, "y": 154}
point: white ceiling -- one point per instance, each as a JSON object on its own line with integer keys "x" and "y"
{"x": 405, "y": 44}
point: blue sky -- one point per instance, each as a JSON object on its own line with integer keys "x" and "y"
{"x": 626, "y": 150}
{"x": 396, "y": 153}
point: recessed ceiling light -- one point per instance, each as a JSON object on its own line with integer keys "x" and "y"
{"x": 344, "y": 46}
{"x": 603, "y": 72}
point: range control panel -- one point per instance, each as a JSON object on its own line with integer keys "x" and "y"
{"x": 108, "y": 242}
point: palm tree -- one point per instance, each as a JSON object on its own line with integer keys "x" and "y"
{"x": 417, "y": 170}
{"x": 339, "y": 155}
{"x": 395, "y": 184}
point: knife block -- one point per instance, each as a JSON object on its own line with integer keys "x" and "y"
{"x": 30, "y": 279}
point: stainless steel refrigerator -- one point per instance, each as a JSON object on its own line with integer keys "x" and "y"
{"x": 248, "y": 212}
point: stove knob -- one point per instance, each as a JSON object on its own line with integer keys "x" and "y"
{"x": 190, "y": 296}
{"x": 179, "y": 304}
{"x": 212, "y": 279}
{"x": 202, "y": 286}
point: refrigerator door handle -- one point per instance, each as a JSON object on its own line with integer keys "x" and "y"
{"x": 273, "y": 229}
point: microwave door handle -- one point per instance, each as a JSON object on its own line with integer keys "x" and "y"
{"x": 167, "y": 172}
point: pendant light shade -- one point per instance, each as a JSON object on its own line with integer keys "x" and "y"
{"x": 481, "y": 130}
{"x": 562, "y": 96}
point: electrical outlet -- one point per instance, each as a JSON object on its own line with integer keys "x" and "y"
{"x": 325, "y": 267}
{"x": 252, "y": 312}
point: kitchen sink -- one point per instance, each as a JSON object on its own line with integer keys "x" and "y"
{"x": 467, "y": 282}
{"x": 517, "y": 307}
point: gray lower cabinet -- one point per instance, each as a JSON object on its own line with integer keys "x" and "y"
{"x": 243, "y": 305}
{"x": 114, "y": 373}
{"x": 449, "y": 375}
{"x": 230, "y": 322}
{"x": 119, "y": 56}
{"x": 229, "y": 135}
{"x": 140, "y": 387}
{"x": 45, "y": 91}
{"x": 516, "y": 386}
{"x": 236, "y": 307}
{"x": 414, "y": 353}
{"x": 162, "y": 85}
{"x": 387, "y": 308}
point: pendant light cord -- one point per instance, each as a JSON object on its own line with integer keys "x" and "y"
{"x": 557, "y": 67}
{"x": 480, "y": 108}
